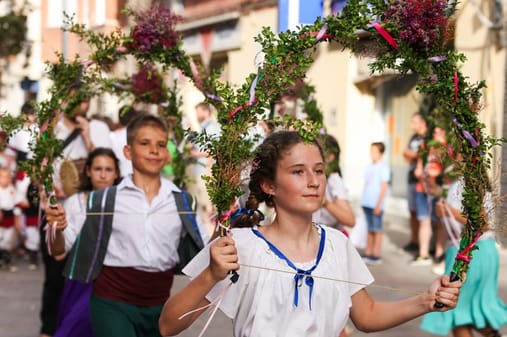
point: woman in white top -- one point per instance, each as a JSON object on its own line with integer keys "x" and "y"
{"x": 297, "y": 278}
{"x": 336, "y": 210}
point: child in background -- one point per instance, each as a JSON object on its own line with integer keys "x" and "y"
{"x": 377, "y": 177}
{"x": 297, "y": 278}
{"x": 9, "y": 218}
{"x": 29, "y": 203}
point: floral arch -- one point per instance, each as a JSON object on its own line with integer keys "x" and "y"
{"x": 407, "y": 36}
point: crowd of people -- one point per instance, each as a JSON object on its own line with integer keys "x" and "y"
{"x": 121, "y": 223}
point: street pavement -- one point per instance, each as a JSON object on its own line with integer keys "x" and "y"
{"x": 20, "y": 292}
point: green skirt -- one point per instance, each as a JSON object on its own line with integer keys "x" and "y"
{"x": 479, "y": 303}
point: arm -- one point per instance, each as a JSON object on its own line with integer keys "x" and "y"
{"x": 419, "y": 168}
{"x": 442, "y": 208}
{"x": 84, "y": 125}
{"x": 380, "y": 200}
{"x": 223, "y": 259}
{"x": 341, "y": 210}
{"x": 410, "y": 155}
{"x": 369, "y": 315}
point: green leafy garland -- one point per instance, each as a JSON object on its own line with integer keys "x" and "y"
{"x": 408, "y": 36}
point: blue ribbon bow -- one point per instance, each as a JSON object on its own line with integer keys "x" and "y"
{"x": 300, "y": 273}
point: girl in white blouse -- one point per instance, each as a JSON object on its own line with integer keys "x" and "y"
{"x": 297, "y": 278}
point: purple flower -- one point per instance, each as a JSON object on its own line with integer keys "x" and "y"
{"x": 422, "y": 23}
{"x": 154, "y": 28}
{"x": 148, "y": 85}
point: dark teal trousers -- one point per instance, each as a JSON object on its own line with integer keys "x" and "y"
{"x": 111, "y": 318}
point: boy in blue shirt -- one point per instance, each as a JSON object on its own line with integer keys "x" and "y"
{"x": 377, "y": 176}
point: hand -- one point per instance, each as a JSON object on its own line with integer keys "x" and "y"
{"x": 224, "y": 257}
{"x": 418, "y": 171}
{"x": 82, "y": 123}
{"x": 56, "y": 216}
{"x": 444, "y": 291}
{"x": 440, "y": 209}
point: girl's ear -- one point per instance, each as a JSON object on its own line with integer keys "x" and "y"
{"x": 268, "y": 187}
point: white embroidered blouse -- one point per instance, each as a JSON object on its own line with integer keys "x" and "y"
{"x": 261, "y": 302}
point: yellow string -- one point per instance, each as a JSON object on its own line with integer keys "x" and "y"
{"x": 498, "y": 229}
{"x": 333, "y": 279}
{"x": 400, "y": 290}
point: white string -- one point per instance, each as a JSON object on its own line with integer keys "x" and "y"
{"x": 333, "y": 279}
{"x": 220, "y": 225}
{"x": 452, "y": 226}
{"x": 216, "y": 303}
{"x": 50, "y": 234}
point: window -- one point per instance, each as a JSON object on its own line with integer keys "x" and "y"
{"x": 100, "y": 12}
{"x": 55, "y": 11}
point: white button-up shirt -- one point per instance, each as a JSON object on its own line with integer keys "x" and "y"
{"x": 145, "y": 235}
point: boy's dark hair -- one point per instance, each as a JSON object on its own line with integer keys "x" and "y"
{"x": 126, "y": 113}
{"x": 143, "y": 120}
{"x": 86, "y": 183}
{"x": 380, "y": 146}
{"x": 264, "y": 165}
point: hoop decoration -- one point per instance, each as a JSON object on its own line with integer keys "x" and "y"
{"x": 407, "y": 36}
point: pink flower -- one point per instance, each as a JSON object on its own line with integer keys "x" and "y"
{"x": 122, "y": 49}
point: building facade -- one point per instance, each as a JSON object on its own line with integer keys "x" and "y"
{"x": 358, "y": 108}
{"x": 346, "y": 92}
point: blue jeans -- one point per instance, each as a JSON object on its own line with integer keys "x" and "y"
{"x": 374, "y": 221}
{"x": 425, "y": 206}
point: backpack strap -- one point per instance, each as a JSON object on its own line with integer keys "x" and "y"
{"x": 73, "y": 135}
{"x": 190, "y": 238}
{"x": 89, "y": 250}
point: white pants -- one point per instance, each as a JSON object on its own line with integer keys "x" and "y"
{"x": 7, "y": 238}
{"x": 32, "y": 238}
